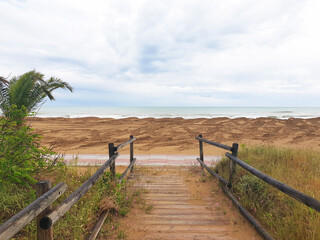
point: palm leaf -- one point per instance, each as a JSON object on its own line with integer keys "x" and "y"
{"x": 28, "y": 90}
{"x": 55, "y": 83}
{"x": 4, "y": 92}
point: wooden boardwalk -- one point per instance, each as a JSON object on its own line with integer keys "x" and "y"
{"x": 175, "y": 212}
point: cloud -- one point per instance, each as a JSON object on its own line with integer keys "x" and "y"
{"x": 168, "y": 52}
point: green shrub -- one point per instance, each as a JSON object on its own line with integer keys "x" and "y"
{"x": 21, "y": 156}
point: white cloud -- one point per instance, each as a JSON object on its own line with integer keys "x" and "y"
{"x": 167, "y": 52}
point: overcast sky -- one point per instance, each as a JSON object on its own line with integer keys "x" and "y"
{"x": 168, "y": 53}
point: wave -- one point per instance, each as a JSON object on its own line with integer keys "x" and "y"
{"x": 179, "y": 112}
{"x": 284, "y": 112}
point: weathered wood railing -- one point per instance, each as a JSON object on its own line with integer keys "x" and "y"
{"x": 41, "y": 207}
{"x": 227, "y": 184}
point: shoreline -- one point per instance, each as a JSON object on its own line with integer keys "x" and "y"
{"x": 196, "y": 118}
{"x": 91, "y": 135}
{"x": 195, "y": 112}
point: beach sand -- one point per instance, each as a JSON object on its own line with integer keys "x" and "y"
{"x": 172, "y": 135}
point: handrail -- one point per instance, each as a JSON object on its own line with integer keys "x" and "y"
{"x": 221, "y": 179}
{"x": 299, "y": 196}
{"x": 227, "y": 186}
{"x": 49, "y": 220}
{"x": 219, "y": 145}
{"x": 124, "y": 174}
{"x": 112, "y": 151}
{"x": 26, "y": 215}
{"x": 40, "y": 206}
{"x": 117, "y": 148}
{"x": 247, "y": 215}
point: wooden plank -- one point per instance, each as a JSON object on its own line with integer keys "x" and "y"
{"x": 22, "y": 218}
{"x": 188, "y": 228}
{"x": 168, "y": 191}
{"x": 162, "y": 186}
{"x": 96, "y": 229}
{"x": 171, "y": 211}
{"x": 117, "y": 148}
{"x": 171, "y": 198}
{"x": 124, "y": 174}
{"x": 167, "y": 202}
{"x": 185, "y": 217}
{"x": 215, "y": 222}
{"x": 187, "y": 235}
{"x": 152, "y": 194}
{"x": 219, "y": 145}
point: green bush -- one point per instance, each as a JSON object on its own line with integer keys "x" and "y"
{"x": 21, "y": 156}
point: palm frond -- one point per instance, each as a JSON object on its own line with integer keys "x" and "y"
{"x": 20, "y": 88}
{"x": 55, "y": 83}
{"x": 4, "y": 92}
{"x": 36, "y": 97}
{"x": 28, "y": 90}
{"x": 3, "y": 80}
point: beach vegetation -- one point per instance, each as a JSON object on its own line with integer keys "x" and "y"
{"x": 117, "y": 198}
{"x": 29, "y": 90}
{"x": 21, "y": 156}
{"x": 281, "y": 215}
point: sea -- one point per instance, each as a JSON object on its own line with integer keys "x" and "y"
{"x": 179, "y": 112}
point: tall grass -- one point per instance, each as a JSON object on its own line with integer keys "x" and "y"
{"x": 282, "y": 216}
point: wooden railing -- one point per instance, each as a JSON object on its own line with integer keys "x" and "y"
{"x": 227, "y": 184}
{"x": 41, "y": 208}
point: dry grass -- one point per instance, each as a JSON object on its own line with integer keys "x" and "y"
{"x": 284, "y": 217}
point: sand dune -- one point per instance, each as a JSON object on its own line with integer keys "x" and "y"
{"x": 172, "y": 136}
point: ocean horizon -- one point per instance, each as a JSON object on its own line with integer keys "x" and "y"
{"x": 180, "y": 112}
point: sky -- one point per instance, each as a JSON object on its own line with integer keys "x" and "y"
{"x": 168, "y": 52}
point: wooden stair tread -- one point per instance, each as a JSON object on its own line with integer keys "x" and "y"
{"x": 175, "y": 213}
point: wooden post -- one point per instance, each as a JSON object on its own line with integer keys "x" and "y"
{"x": 232, "y": 165}
{"x": 201, "y": 149}
{"x": 74, "y": 197}
{"x": 113, "y": 165}
{"x": 42, "y": 234}
{"x": 131, "y": 152}
{"x": 29, "y": 213}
